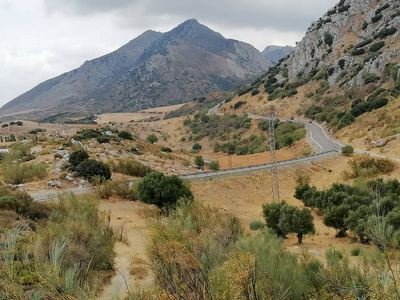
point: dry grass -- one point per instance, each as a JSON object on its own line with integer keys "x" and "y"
{"x": 244, "y": 195}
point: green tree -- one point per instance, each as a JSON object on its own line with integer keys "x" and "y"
{"x": 91, "y": 168}
{"x": 162, "y": 191}
{"x": 294, "y": 220}
{"x": 272, "y": 214}
{"x": 152, "y": 138}
{"x": 125, "y": 135}
{"x": 199, "y": 161}
{"x": 335, "y": 217}
{"x": 77, "y": 157}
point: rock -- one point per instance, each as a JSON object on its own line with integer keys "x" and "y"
{"x": 4, "y": 151}
{"x": 109, "y": 133}
{"x": 78, "y": 143}
{"x": 54, "y": 183}
{"x": 69, "y": 178}
{"x": 21, "y": 188}
{"x": 57, "y": 171}
{"x": 379, "y": 143}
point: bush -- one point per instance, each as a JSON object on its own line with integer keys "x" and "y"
{"x": 363, "y": 43}
{"x": 385, "y": 32}
{"x": 21, "y": 173}
{"x": 376, "y": 18}
{"x": 91, "y": 168}
{"x": 356, "y": 252}
{"x": 255, "y": 92}
{"x": 129, "y": 167}
{"x": 328, "y": 39}
{"x": 356, "y": 52}
{"x": 76, "y": 158}
{"x": 366, "y": 166}
{"x": 166, "y": 149}
{"x": 85, "y": 134}
{"x": 103, "y": 140}
{"x": 238, "y": 104}
{"x": 162, "y": 191}
{"x": 214, "y": 165}
{"x": 199, "y": 161}
{"x": 152, "y": 138}
{"x": 36, "y": 131}
{"x": 347, "y": 150}
{"x": 196, "y": 147}
{"x": 256, "y": 225}
{"x": 125, "y": 135}
{"x": 376, "y": 47}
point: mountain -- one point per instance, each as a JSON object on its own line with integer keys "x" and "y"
{"x": 276, "y": 53}
{"x": 345, "y": 71}
{"x": 155, "y": 69}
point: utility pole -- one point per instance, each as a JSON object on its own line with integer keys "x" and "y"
{"x": 271, "y": 116}
{"x": 229, "y": 149}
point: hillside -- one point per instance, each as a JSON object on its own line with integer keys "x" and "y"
{"x": 344, "y": 73}
{"x": 155, "y": 69}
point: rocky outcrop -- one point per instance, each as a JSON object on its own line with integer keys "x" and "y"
{"x": 340, "y": 42}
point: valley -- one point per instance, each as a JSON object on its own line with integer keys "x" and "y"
{"x": 149, "y": 173}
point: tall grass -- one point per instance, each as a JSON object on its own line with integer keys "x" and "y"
{"x": 63, "y": 258}
{"x": 129, "y": 166}
{"x": 15, "y": 173}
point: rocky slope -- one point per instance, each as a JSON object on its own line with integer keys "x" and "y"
{"x": 154, "y": 69}
{"x": 347, "y": 65}
{"x": 276, "y": 53}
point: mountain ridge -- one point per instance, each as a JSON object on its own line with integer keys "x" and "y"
{"x": 154, "y": 69}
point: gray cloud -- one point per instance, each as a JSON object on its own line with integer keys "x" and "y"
{"x": 84, "y": 7}
{"x": 285, "y": 15}
{"x": 44, "y": 38}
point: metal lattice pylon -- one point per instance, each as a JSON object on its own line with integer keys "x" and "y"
{"x": 274, "y": 169}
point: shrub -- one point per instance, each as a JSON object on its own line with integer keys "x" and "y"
{"x": 103, "y": 140}
{"x": 385, "y": 32}
{"x": 106, "y": 188}
{"x": 356, "y": 252}
{"x": 21, "y": 173}
{"x": 162, "y": 191}
{"x": 363, "y": 43}
{"x": 77, "y": 157}
{"x": 91, "y": 168}
{"x": 125, "y": 135}
{"x": 376, "y": 18}
{"x": 166, "y": 149}
{"x": 36, "y": 131}
{"x": 356, "y": 52}
{"x": 152, "y": 138}
{"x": 376, "y": 47}
{"x": 197, "y": 147}
{"x": 347, "y": 150}
{"x": 129, "y": 167}
{"x": 255, "y": 92}
{"x": 366, "y": 165}
{"x": 199, "y": 161}
{"x": 328, "y": 39}
{"x": 85, "y": 134}
{"x": 256, "y": 225}
{"x": 238, "y": 104}
{"x": 214, "y": 165}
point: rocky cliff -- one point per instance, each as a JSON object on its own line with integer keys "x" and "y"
{"x": 155, "y": 69}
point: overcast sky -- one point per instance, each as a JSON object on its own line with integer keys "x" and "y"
{"x": 40, "y": 39}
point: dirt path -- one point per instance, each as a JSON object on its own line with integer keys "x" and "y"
{"x": 132, "y": 272}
